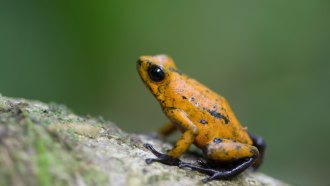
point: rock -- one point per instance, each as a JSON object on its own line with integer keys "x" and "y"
{"x": 47, "y": 144}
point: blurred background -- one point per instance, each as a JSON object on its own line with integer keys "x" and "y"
{"x": 271, "y": 60}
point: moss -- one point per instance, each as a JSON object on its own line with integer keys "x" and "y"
{"x": 31, "y": 153}
{"x": 44, "y": 144}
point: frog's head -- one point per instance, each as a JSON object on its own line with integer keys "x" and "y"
{"x": 156, "y": 72}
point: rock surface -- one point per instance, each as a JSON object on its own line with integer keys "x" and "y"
{"x": 47, "y": 144}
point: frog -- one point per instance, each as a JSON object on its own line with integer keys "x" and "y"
{"x": 204, "y": 118}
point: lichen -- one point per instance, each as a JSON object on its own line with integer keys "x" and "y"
{"x": 79, "y": 128}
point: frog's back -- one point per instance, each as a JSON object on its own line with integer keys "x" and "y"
{"x": 209, "y": 111}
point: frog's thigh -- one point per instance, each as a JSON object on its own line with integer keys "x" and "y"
{"x": 167, "y": 129}
{"x": 226, "y": 150}
{"x": 189, "y": 134}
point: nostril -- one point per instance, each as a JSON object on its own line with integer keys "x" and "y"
{"x": 139, "y": 62}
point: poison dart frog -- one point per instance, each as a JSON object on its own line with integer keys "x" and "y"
{"x": 205, "y": 120}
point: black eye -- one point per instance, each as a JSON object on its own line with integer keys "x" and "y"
{"x": 156, "y": 73}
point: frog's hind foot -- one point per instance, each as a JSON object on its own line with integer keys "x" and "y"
{"x": 260, "y": 143}
{"x": 202, "y": 163}
{"x": 220, "y": 173}
{"x": 162, "y": 158}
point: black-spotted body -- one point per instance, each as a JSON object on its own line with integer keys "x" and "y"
{"x": 204, "y": 117}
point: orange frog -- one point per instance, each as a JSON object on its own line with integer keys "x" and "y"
{"x": 204, "y": 118}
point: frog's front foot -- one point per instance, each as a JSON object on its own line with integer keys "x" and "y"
{"x": 162, "y": 158}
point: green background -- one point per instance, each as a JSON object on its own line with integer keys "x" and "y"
{"x": 270, "y": 59}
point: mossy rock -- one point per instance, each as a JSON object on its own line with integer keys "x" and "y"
{"x": 47, "y": 144}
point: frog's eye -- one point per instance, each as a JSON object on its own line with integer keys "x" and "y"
{"x": 156, "y": 73}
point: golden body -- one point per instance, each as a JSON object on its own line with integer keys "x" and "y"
{"x": 204, "y": 117}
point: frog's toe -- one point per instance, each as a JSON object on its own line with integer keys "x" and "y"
{"x": 208, "y": 179}
{"x": 152, "y": 149}
{"x": 165, "y": 159}
{"x": 169, "y": 160}
{"x": 183, "y": 165}
{"x": 219, "y": 175}
{"x": 162, "y": 158}
{"x": 150, "y": 161}
{"x": 205, "y": 180}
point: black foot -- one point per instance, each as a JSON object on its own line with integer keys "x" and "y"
{"x": 260, "y": 143}
{"x": 220, "y": 173}
{"x": 162, "y": 158}
{"x": 202, "y": 163}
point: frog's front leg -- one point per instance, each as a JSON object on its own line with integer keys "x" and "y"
{"x": 187, "y": 138}
{"x": 167, "y": 129}
{"x": 226, "y": 152}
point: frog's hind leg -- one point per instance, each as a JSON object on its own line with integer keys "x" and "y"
{"x": 236, "y": 156}
{"x": 166, "y": 130}
{"x": 260, "y": 143}
{"x": 219, "y": 173}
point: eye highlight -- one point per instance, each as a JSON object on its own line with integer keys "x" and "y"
{"x": 156, "y": 73}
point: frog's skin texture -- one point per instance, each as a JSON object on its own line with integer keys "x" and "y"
{"x": 204, "y": 118}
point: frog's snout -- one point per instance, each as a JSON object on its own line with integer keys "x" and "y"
{"x": 143, "y": 59}
{"x": 139, "y": 62}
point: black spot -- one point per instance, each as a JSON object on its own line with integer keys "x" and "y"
{"x": 203, "y": 121}
{"x": 149, "y": 63}
{"x": 192, "y": 99}
{"x": 216, "y": 114}
{"x": 184, "y": 97}
{"x": 161, "y": 89}
{"x": 217, "y": 140}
